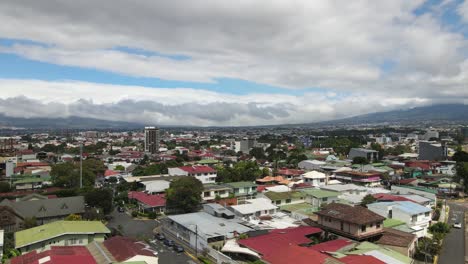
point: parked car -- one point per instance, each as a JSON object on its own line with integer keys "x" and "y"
{"x": 121, "y": 209}
{"x": 159, "y": 236}
{"x": 168, "y": 242}
{"x": 178, "y": 248}
{"x": 457, "y": 225}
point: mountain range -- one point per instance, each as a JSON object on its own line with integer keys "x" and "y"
{"x": 433, "y": 113}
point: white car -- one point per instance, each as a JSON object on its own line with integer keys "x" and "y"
{"x": 457, "y": 225}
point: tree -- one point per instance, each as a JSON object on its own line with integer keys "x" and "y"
{"x": 113, "y": 179}
{"x": 460, "y": 156}
{"x": 4, "y": 187}
{"x": 184, "y": 195}
{"x": 68, "y": 175}
{"x": 427, "y": 247}
{"x": 73, "y": 217}
{"x": 368, "y": 199}
{"x": 119, "y": 168}
{"x": 241, "y": 171}
{"x": 439, "y": 228}
{"x": 29, "y": 222}
{"x": 265, "y": 172}
{"x": 258, "y": 153}
{"x": 360, "y": 160}
{"x": 100, "y": 198}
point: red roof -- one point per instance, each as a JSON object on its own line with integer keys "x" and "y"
{"x": 197, "y": 169}
{"x": 360, "y": 259}
{"x": 57, "y": 255}
{"x": 406, "y": 181}
{"x": 331, "y": 246}
{"x": 109, "y": 173}
{"x": 390, "y": 197}
{"x": 152, "y": 200}
{"x": 418, "y": 164}
{"x": 32, "y": 164}
{"x": 123, "y": 248}
{"x": 279, "y": 238}
{"x": 292, "y": 172}
{"x": 297, "y": 255}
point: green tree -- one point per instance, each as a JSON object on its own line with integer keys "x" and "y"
{"x": 258, "y": 153}
{"x": 360, "y": 160}
{"x": 68, "y": 175}
{"x": 119, "y": 168}
{"x": 100, "y": 198}
{"x": 4, "y": 187}
{"x": 73, "y": 217}
{"x": 241, "y": 171}
{"x": 184, "y": 195}
{"x": 29, "y": 222}
{"x": 368, "y": 199}
{"x": 265, "y": 172}
{"x": 439, "y": 228}
{"x": 460, "y": 156}
{"x": 378, "y": 147}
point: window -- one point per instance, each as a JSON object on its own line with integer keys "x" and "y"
{"x": 288, "y": 200}
{"x": 371, "y": 225}
{"x": 206, "y": 194}
{"x": 414, "y": 218}
{"x": 378, "y": 224}
{"x": 363, "y": 228}
{"x": 341, "y": 226}
{"x": 278, "y": 202}
{"x": 73, "y": 241}
{"x": 325, "y": 199}
{"x": 426, "y": 214}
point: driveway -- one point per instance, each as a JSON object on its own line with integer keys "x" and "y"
{"x": 132, "y": 227}
{"x": 453, "y": 248}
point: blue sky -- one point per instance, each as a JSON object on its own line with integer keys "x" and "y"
{"x": 329, "y": 62}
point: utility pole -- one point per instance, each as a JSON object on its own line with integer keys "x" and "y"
{"x": 81, "y": 165}
{"x": 196, "y": 241}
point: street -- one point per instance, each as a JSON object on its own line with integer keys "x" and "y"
{"x": 141, "y": 229}
{"x": 453, "y": 248}
{"x": 131, "y": 227}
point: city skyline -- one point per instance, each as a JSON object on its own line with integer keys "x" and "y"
{"x": 235, "y": 63}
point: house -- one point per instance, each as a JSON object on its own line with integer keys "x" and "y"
{"x": 381, "y": 253}
{"x": 130, "y": 250}
{"x": 2, "y": 235}
{"x": 149, "y": 202}
{"x": 201, "y": 230}
{"x": 429, "y": 150}
{"x": 243, "y": 190}
{"x": 56, "y": 254}
{"x": 424, "y": 192}
{"x": 356, "y": 222}
{"x": 361, "y": 178}
{"x": 416, "y": 216}
{"x": 205, "y": 174}
{"x": 315, "y": 178}
{"x": 212, "y": 192}
{"x": 318, "y": 197}
{"x": 218, "y": 210}
{"x": 60, "y": 233}
{"x": 157, "y": 186}
{"x": 42, "y": 208}
{"x": 289, "y": 174}
{"x": 346, "y": 189}
{"x": 254, "y": 207}
{"x": 281, "y": 198}
{"x": 369, "y": 154}
{"x": 402, "y": 242}
{"x": 311, "y": 164}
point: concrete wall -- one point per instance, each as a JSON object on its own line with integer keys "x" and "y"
{"x": 350, "y": 228}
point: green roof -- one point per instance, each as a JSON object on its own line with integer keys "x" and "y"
{"x": 319, "y": 193}
{"x": 208, "y": 161}
{"x": 58, "y": 228}
{"x": 390, "y": 222}
{"x": 242, "y": 184}
{"x": 274, "y": 196}
{"x": 365, "y": 247}
{"x": 303, "y": 208}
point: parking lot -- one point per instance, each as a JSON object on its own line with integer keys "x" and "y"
{"x": 168, "y": 255}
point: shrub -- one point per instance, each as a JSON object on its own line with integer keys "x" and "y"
{"x": 152, "y": 215}
{"x": 134, "y": 213}
{"x": 204, "y": 260}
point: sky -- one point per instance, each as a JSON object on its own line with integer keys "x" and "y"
{"x": 230, "y": 63}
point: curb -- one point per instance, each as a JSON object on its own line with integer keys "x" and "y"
{"x": 447, "y": 214}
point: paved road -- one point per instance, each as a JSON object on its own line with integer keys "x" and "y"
{"x": 453, "y": 249}
{"x": 130, "y": 227}
{"x": 168, "y": 255}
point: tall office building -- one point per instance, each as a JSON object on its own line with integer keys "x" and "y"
{"x": 152, "y": 140}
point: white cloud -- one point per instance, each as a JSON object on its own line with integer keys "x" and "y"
{"x": 162, "y": 106}
{"x": 463, "y": 11}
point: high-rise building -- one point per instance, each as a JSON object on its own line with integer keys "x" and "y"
{"x": 464, "y": 132}
{"x": 152, "y": 140}
{"x": 432, "y": 151}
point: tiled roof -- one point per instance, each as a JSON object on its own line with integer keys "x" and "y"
{"x": 123, "y": 248}
{"x": 357, "y": 214}
{"x": 152, "y": 200}
{"x": 360, "y": 259}
{"x": 389, "y": 197}
{"x": 393, "y": 237}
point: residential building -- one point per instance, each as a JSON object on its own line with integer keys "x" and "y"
{"x": 315, "y": 178}
{"x": 311, "y": 164}
{"x": 149, "y": 202}
{"x": 282, "y": 198}
{"x": 60, "y": 233}
{"x": 356, "y": 222}
{"x": 2, "y": 235}
{"x": 369, "y": 154}
{"x": 346, "y": 189}
{"x": 401, "y": 242}
{"x": 243, "y": 190}
{"x": 432, "y": 151}
{"x": 130, "y": 250}
{"x": 203, "y": 173}
{"x": 156, "y": 186}
{"x": 289, "y": 173}
{"x": 464, "y": 133}
{"x": 212, "y": 192}
{"x": 42, "y": 208}
{"x": 361, "y": 178}
{"x": 424, "y": 192}
{"x": 56, "y": 254}
{"x": 218, "y": 210}
{"x": 416, "y": 216}
{"x": 245, "y": 145}
{"x": 152, "y": 140}
{"x": 254, "y": 207}
{"x": 202, "y": 230}
{"x": 318, "y": 197}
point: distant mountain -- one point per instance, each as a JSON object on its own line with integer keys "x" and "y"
{"x": 72, "y": 122}
{"x": 433, "y": 113}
